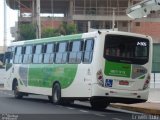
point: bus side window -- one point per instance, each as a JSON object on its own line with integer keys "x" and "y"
{"x": 88, "y": 51}
{"x": 49, "y": 53}
{"x": 75, "y": 54}
{"x": 23, "y": 53}
{"x": 38, "y": 56}
{"x": 18, "y": 55}
{"x": 62, "y": 53}
{"x": 28, "y": 55}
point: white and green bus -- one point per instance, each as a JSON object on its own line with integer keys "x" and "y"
{"x": 102, "y": 67}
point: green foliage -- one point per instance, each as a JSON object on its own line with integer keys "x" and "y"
{"x": 49, "y": 32}
{"x": 64, "y": 29}
{"x": 68, "y": 28}
{"x": 27, "y": 32}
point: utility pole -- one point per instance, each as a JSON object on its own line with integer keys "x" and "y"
{"x": 89, "y": 26}
{"x": 5, "y": 27}
{"x": 38, "y": 19}
{"x": 113, "y": 19}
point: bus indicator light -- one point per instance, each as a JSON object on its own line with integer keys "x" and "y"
{"x": 146, "y": 84}
{"x": 100, "y": 78}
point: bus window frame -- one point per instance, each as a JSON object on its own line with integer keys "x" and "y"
{"x": 31, "y": 53}
{"x": 34, "y": 53}
{"x": 80, "y": 50}
{"x": 15, "y": 53}
{"x": 58, "y": 52}
{"x": 84, "y": 46}
{"x": 53, "y": 52}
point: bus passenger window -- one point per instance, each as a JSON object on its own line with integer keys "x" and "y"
{"x": 38, "y": 56}
{"x": 61, "y": 55}
{"x": 18, "y": 55}
{"x": 88, "y": 51}
{"x": 49, "y": 53}
{"x": 28, "y": 55}
{"x": 75, "y": 54}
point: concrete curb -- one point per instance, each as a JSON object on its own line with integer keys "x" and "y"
{"x": 137, "y": 109}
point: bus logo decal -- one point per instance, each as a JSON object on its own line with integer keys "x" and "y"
{"x": 141, "y": 44}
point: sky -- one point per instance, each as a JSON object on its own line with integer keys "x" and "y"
{"x": 11, "y": 19}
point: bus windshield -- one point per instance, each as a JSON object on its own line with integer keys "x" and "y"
{"x": 126, "y": 49}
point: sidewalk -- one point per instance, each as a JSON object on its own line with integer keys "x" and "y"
{"x": 152, "y": 106}
{"x": 148, "y": 108}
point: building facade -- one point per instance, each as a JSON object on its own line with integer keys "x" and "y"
{"x": 97, "y": 14}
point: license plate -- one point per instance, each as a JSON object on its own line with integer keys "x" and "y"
{"x": 109, "y": 83}
{"x": 122, "y": 82}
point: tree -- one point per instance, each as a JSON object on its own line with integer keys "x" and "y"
{"x": 68, "y": 28}
{"x": 27, "y": 31}
{"x": 50, "y": 32}
{"x": 64, "y": 29}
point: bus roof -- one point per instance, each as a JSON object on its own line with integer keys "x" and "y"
{"x": 49, "y": 39}
{"x": 74, "y": 37}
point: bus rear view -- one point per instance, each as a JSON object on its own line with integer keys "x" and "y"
{"x": 125, "y": 75}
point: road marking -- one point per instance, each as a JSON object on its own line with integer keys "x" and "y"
{"x": 116, "y": 119}
{"x": 59, "y": 106}
{"x": 84, "y": 111}
{"x": 70, "y": 108}
{"x": 101, "y": 115}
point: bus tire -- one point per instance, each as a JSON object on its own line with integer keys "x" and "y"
{"x": 17, "y": 94}
{"x": 56, "y": 94}
{"x": 98, "y": 104}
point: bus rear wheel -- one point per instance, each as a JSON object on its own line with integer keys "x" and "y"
{"x": 98, "y": 104}
{"x": 17, "y": 94}
{"x": 56, "y": 94}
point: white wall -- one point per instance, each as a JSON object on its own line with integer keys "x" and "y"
{"x": 155, "y": 83}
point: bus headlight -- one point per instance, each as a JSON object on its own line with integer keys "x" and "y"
{"x": 146, "y": 84}
{"x": 100, "y": 79}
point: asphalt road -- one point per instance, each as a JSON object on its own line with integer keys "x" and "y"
{"x": 36, "y": 107}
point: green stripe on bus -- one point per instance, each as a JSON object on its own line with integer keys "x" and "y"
{"x": 54, "y": 39}
{"x": 42, "y": 75}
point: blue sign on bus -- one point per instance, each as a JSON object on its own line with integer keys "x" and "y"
{"x": 109, "y": 83}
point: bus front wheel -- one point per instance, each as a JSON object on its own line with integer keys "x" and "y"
{"x": 17, "y": 94}
{"x": 56, "y": 94}
{"x": 98, "y": 104}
